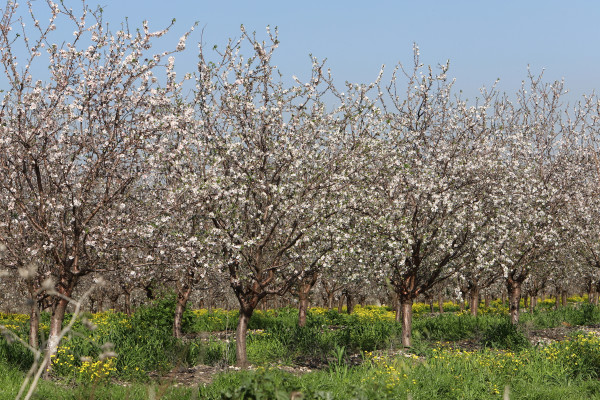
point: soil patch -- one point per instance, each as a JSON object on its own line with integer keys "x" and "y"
{"x": 543, "y": 337}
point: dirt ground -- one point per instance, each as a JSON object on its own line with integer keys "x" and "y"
{"x": 546, "y": 336}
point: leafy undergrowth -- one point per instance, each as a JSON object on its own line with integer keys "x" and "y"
{"x": 563, "y": 370}
{"x": 352, "y": 356}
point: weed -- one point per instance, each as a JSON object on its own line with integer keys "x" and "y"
{"x": 505, "y": 335}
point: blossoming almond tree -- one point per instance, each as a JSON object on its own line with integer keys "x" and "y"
{"x": 535, "y": 138}
{"x": 73, "y": 141}
{"x": 276, "y": 168}
{"x": 425, "y": 185}
{"x": 582, "y": 209}
{"x": 180, "y": 232}
{"x": 309, "y": 257}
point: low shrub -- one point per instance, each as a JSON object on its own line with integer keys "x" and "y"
{"x": 450, "y": 326}
{"x": 579, "y": 355}
{"x": 15, "y": 354}
{"x": 505, "y": 335}
{"x": 579, "y": 314}
{"x": 214, "y": 320}
{"x": 211, "y": 352}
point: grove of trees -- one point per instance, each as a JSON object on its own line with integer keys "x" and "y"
{"x": 234, "y": 181}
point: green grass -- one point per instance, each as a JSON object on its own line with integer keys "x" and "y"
{"x": 578, "y": 314}
{"x": 144, "y": 344}
{"x": 11, "y": 379}
{"x": 450, "y": 326}
{"x": 447, "y": 374}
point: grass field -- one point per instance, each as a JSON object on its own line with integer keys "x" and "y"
{"x": 335, "y": 356}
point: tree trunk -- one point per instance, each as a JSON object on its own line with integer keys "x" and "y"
{"x": 441, "y": 302}
{"x": 487, "y": 300}
{"x": 34, "y": 326}
{"x": 406, "y": 321}
{"x": 182, "y": 299}
{"x": 330, "y": 291}
{"x": 532, "y": 303}
{"x": 398, "y": 308}
{"x": 34, "y": 315}
{"x": 304, "y": 288}
{"x": 514, "y": 294}
{"x": 349, "y": 303}
{"x": 596, "y": 292}
{"x": 341, "y": 304}
{"x": 240, "y": 337}
{"x": 474, "y": 300}
{"x": 362, "y": 300}
{"x": 330, "y": 298}
{"x": 503, "y": 297}
{"x": 525, "y": 300}
{"x": 431, "y": 308}
{"x": 114, "y": 302}
{"x": 56, "y": 320}
{"x": 302, "y": 305}
{"x": 127, "y": 296}
{"x": 563, "y": 298}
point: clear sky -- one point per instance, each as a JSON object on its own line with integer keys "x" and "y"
{"x": 483, "y": 39}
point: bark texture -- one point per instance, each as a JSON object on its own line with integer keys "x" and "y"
{"x": 182, "y": 299}
{"x": 34, "y": 326}
{"x": 240, "y": 338}
{"x": 406, "y": 322}
{"x": 514, "y": 297}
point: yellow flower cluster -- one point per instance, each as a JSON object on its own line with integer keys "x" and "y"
{"x": 495, "y": 362}
{"x": 548, "y": 301}
{"x": 391, "y": 372}
{"x": 270, "y": 312}
{"x": 370, "y": 314}
{"x": 11, "y": 327}
{"x": 578, "y": 299}
{"x": 63, "y": 361}
{"x": 570, "y": 351}
{"x": 104, "y": 321}
{"x": 216, "y": 318}
{"x": 91, "y": 371}
{"x": 65, "y": 364}
{"x": 19, "y": 318}
{"x": 551, "y": 301}
{"x": 420, "y": 308}
{"x": 217, "y": 312}
{"x": 318, "y": 310}
{"x": 367, "y": 314}
{"x": 14, "y": 322}
{"x": 200, "y": 312}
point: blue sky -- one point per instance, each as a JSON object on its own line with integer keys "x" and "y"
{"x": 484, "y": 40}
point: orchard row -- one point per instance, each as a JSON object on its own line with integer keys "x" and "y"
{"x": 233, "y": 180}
